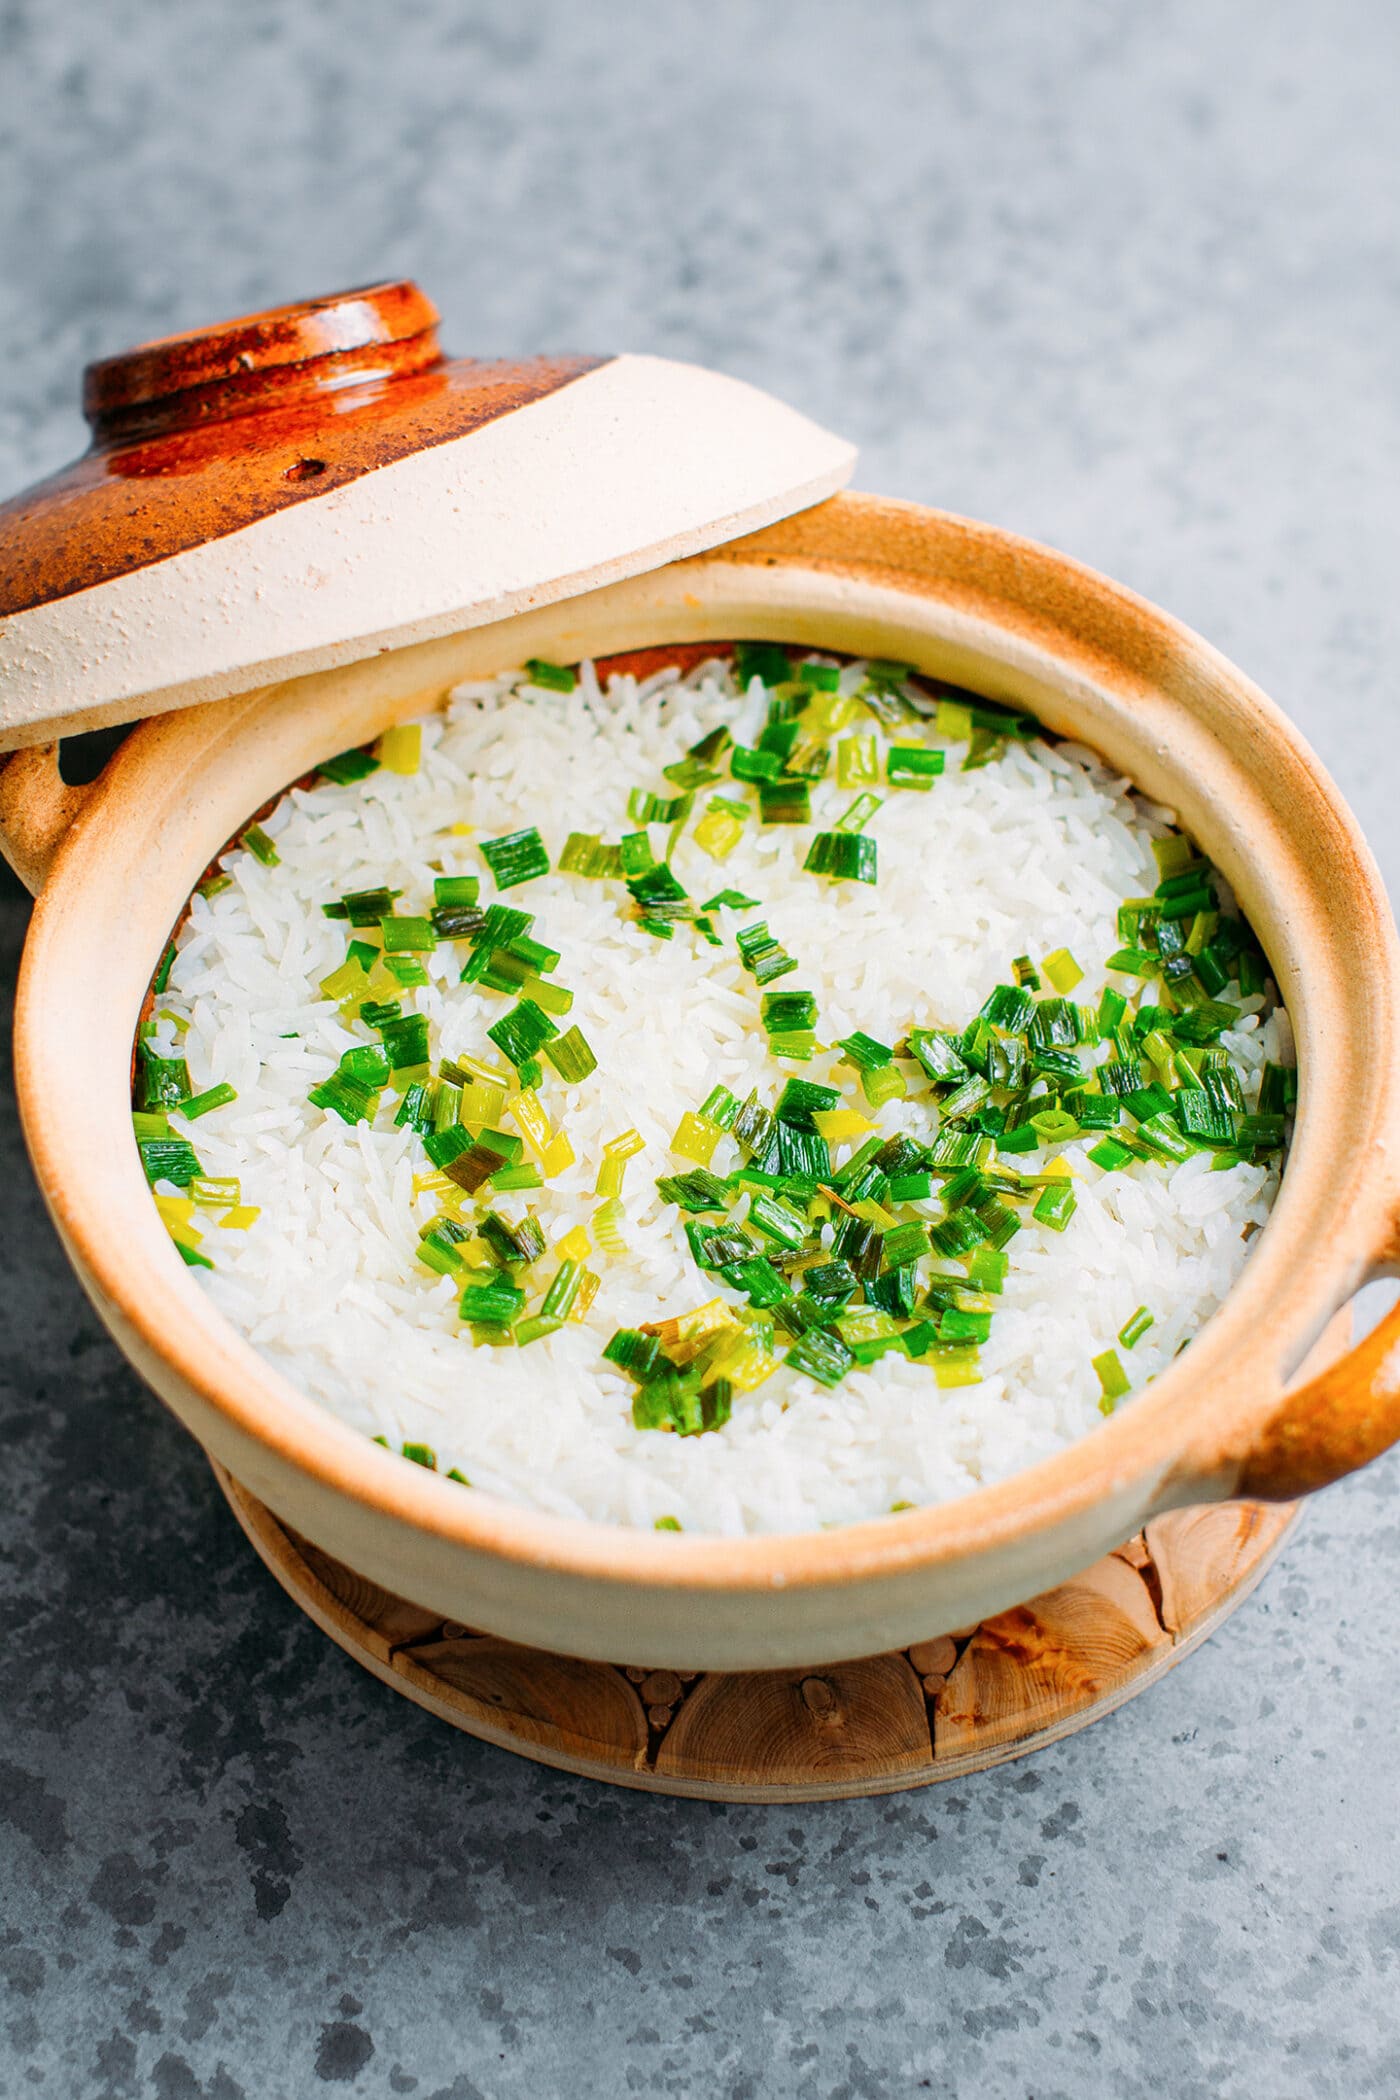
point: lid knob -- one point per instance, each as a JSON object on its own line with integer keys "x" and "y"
{"x": 287, "y": 354}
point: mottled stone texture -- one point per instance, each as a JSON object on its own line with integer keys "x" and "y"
{"x": 1122, "y": 278}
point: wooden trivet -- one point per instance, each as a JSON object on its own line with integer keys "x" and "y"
{"x": 939, "y": 1710}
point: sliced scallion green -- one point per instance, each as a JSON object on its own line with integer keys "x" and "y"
{"x": 555, "y": 678}
{"x": 913, "y": 766}
{"x": 516, "y": 857}
{"x": 843, "y": 856}
{"x": 570, "y": 1055}
{"x": 262, "y": 848}
{"x": 214, "y": 1097}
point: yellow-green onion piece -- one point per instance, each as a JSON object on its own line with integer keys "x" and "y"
{"x": 537, "y": 1327}
{"x": 571, "y": 1056}
{"x": 585, "y": 854}
{"x": 729, "y": 900}
{"x": 607, "y": 1222}
{"x": 1114, "y": 1381}
{"x": 860, "y": 813}
{"x": 616, "y": 1153}
{"x": 562, "y": 1291}
{"x": 1062, "y": 970}
{"x": 719, "y": 830}
{"x": 667, "y": 1524}
{"x": 401, "y": 748}
{"x": 857, "y": 762}
{"x": 211, "y": 1193}
{"x": 261, "y": 848}
{"x": 555, "y": 678}
{"x": 1135, "y": 1327}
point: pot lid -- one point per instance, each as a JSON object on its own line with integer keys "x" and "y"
{"x": 303, "y": 487}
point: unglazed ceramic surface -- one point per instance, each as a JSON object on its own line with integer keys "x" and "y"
{"x": 303, "y": 487}
{"x": 958, "y": 600}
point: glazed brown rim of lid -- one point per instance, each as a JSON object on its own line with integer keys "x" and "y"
{"x": 394, "y": 318}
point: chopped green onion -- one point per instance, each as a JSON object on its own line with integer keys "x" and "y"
{"x": 494, "y": 1304}
{"x": 765, "y": 660}
{"x": 784, "y": 802}
{"x": 515, "y": 858}
{"x": 585, "y": 854}
{"x": 570, "y": 1055}
{"x": 776, "y": 1220}
{"x": 521, "y": 1032}
{"x": 645, "y": 808}
{"x": 728, "y": 900}
{"x": 660, "y": 897}
{"x": 695, "y": 1191}
{"x": 456, "y": 889}
{"x": 1055, "y": 1206}
{"x": 520, "y": 1243}
{"x": 842, "y": 855}
{"x": 261, "y": 848}
{"x": 1062, "y": 970}
{"x": 859, "y": 814}
{"x": 784, "y": 1012}
{"x": 523, "y": 1175}
{"x": 1135, "y": 1327}
{"x": 405, "y": 1040}
{"x": 857, "y": 762}
{"x": 353, "y": 1099}
{"x": 200, "y": 1104}
{"x": 169, "y": 1159}
{"x": 162, "y": 1082}
{"x": 407, "y": 935}
{"x": 555, "y": 678}
{"x": 762, "y": 956}
{"x": 1113, "y": 1380}
{"x": 348, "y": 767}
{"x": 913, "y": 766}
{"x": 865, "y": 1052}
{"x": 821, "y": 1354}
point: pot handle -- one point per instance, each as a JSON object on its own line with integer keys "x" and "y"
{"x": 36, "y": 808}
{"x": 1333, "y": 1425}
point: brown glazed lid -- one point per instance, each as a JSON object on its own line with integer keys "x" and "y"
{"x": 298, "y": 488}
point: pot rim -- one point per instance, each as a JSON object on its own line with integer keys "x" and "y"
{"x": 1185, "y": 1437}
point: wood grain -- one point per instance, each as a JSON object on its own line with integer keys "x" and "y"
{"x": 944, "y": 1708}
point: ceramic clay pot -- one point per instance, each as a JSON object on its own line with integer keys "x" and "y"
{"x": 115, "y": 863}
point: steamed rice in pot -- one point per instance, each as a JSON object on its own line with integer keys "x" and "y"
{"x": 1028, "y": 855}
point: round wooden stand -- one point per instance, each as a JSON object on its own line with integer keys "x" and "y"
{"x": 939, "y": 1710}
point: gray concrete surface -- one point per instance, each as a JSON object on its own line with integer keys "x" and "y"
{"x": 1122, "y": 278}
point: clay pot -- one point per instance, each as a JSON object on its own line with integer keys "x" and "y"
{"x": 958, "y": 600}
{"x": 313, "y": 525}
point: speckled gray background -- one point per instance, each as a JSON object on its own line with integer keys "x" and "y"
{"x": 1124, "y": 278}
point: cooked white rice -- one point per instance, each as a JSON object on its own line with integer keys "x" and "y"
{"x": 1031, "y": 853}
